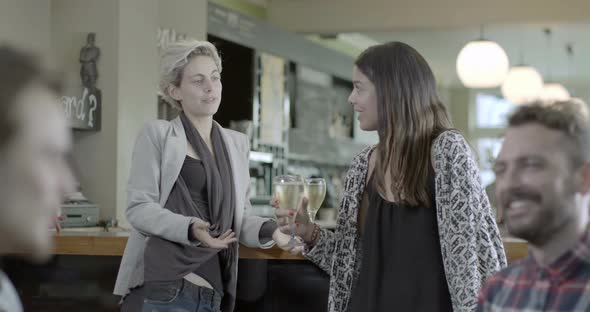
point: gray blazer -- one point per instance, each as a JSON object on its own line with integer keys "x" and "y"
{"x": 158, "y": 156}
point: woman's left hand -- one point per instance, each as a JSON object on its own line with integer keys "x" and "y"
{"x": 282, "y": 241}
{"x": 56, "y": 224}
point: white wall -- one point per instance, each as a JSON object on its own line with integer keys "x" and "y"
{"x": 459, "y": 101}
{"x": 26, "y": 24}
{"x": 138, "y": 78}
{"x": 95, "y": 152}
{"x": 185, "y": 16}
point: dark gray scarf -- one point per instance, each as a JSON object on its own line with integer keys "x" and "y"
{"x": 165, "y": 260}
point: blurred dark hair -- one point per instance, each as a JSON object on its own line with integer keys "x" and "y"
{"x": 18, "y": 69}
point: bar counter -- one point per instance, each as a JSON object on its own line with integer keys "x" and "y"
{"x": 82, "y": 274}
{"x": 97, "y": 242}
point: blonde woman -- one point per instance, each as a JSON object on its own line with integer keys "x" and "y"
{"x": 187, "y": 196}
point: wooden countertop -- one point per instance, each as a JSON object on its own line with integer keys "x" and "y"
{"x": 97, "y": 242}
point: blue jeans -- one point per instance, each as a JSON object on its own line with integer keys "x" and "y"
{"x": 179, "y": 296}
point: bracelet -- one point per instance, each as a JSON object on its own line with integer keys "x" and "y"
{"x": 315, "y": 234}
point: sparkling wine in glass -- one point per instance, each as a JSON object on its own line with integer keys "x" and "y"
{"x": 315, "y": 191}
{"x": 289, "y": 191}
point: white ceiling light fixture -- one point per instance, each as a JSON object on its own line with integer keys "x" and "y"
{"x": 523, "y": 85}
{"x": 552, "y": 92}
{"x": 482, "y": 64}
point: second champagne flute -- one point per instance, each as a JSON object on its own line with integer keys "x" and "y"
{"x": 315, "y": 191}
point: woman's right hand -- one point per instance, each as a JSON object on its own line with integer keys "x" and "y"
{"x": 200, "y": 230}
{"x": 303, "y": 227}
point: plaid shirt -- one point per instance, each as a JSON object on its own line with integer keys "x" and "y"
{"x": 525, "y": 286}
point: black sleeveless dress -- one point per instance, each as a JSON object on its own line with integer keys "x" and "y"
{"x": 401, "y": 265}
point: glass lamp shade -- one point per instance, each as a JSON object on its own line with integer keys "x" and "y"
{"x": 554, "y": 92}
{"x": 482, "y": 64}
{"x": 523, "y": 84}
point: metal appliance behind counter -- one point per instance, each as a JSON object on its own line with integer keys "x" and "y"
{"x": 79, "y": 214}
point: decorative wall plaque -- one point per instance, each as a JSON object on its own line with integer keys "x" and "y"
{"x": 83, "y": 111}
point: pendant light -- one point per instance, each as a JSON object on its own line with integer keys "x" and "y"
{"x": 482, "y": 63}
{"x": 552, "y": 91}
{"x": 523, "y": 83}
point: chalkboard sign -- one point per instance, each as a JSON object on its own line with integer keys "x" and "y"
{"x": 83, "y": 113}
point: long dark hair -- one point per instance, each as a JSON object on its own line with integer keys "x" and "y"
{"x": 411, "y": 116}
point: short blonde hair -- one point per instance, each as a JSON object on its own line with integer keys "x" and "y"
{"x": 175, "y": 57}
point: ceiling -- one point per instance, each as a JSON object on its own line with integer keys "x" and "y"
{"x": 523, "y": 43}
{"x": 440, "y": 28}
{"x": 335, "y": 16}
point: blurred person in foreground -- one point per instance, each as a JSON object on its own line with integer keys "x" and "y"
{"x": 35, "y": 176}
{"x": 542, "y": 183}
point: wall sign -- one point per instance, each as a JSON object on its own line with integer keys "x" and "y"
{"x": 83, "y": 111}
{"x": 167, "y": 36}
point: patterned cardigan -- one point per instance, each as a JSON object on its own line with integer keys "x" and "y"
{"x": 471, "y": 245}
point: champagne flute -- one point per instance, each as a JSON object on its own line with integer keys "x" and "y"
{"x": 289, "y": 190}
{"x": 315, "y": 191}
